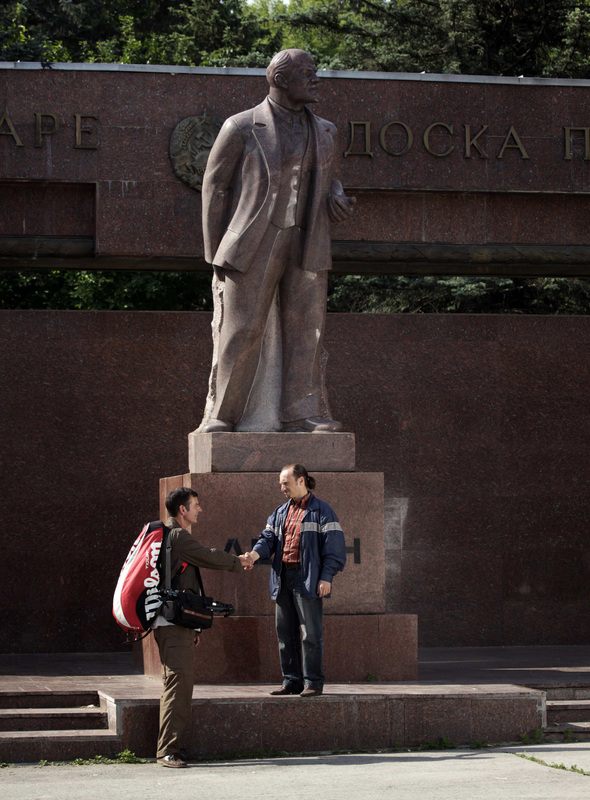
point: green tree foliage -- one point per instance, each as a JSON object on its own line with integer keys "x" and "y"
{"x": 387, "y": 294}
{"x": 498, "y": 37}
{"x": 108, "y": 290}
{"x": 193, "y": 33}
{"x": 383, "y": 294}
{"x": 46, "y": 30}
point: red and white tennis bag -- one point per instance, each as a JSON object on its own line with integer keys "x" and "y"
{"x": 137, "y": 600}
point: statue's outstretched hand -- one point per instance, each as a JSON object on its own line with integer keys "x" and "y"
{"x": 340, "y": 205}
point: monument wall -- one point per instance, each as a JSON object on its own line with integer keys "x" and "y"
{"x": 451, "y": 173}
{"x": 479, "y": 424}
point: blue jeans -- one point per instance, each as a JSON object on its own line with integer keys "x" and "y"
{"x": 299, "y": 631}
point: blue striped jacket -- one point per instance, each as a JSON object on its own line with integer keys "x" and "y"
{"x": 322, "y": 548}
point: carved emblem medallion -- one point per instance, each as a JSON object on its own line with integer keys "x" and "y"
{"x": 190, "y": 143}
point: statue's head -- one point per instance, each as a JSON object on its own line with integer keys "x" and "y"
{"x": 292, "y": 77}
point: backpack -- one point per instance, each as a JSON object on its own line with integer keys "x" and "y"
{"x": 137, "y": 599}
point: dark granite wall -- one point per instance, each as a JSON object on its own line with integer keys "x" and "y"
{"x": 480, "y": 424}
{"x": 494, "y": 192}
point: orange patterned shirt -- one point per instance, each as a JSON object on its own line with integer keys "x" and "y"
{"x": 292, "y": 530}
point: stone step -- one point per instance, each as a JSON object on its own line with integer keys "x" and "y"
{"x": 42, "y": 719}
{"x": 33, "y": 746}
{"x": 567, "y": 692}
{"x": 48, "y": 699}
{"x": 567, "y": 711}
{"x": 567, "y": 731}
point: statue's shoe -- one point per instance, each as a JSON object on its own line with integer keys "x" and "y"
{"x": 314, "y": 425}
{"x": 216, "y": 426}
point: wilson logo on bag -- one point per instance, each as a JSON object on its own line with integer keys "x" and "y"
{"x": 137, "y": 600}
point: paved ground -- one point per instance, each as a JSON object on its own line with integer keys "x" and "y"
{"x": 528, "y": 666}
{"x": 497, "y": 774}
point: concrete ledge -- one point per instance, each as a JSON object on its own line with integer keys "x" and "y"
{"x": 268, "y": 452}
{"x": 245, "y": 721}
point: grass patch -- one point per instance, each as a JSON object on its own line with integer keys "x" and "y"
{"x": 553, "y": 764}
{"x": 442, "y": 743}
{"x": 533, "y": 737}
{"x": 124, "y": 757}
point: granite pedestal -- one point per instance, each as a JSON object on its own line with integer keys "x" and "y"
{"x": 268, "y": 452}
{"x": 362, "y": 641}
{"x": 358, "y": 648}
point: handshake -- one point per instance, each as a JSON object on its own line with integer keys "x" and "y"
{"x": 247, "y": 560}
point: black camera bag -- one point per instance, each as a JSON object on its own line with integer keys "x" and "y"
{"x": 188, "y": 608}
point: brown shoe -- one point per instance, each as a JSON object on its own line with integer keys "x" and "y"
{"x": 173, "y": 761}
{"x": 286, "y": 690}
{"x": 309, "y": 691}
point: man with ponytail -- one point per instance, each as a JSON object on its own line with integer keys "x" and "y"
{"x": 306, "y": 544}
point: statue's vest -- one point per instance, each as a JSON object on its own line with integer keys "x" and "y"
{"x": 296, "y": 152}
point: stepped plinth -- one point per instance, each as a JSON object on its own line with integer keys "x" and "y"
{"x": 236, "y": 476}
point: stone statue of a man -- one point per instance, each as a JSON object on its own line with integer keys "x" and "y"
{"x": 268, "y": 200}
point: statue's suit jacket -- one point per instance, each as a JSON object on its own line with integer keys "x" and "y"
{"x": 241, "y": 183}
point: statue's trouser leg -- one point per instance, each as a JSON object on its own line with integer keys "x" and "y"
{"x": 303, "y": 317}
{"x": 247, "y": 298}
